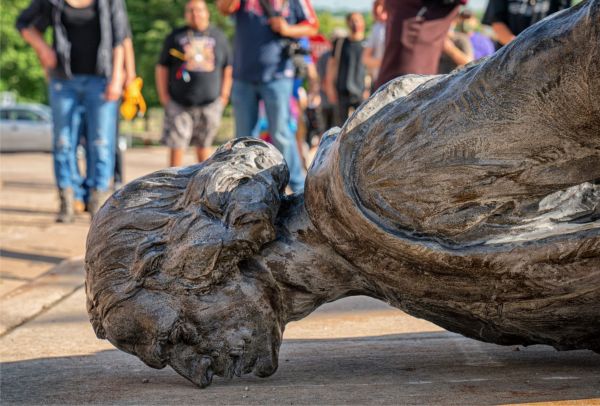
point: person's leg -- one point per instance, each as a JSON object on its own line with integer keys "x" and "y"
{"x": 245, "y": 98}
{"x": 118, "y": 175}
{"x": 176, "y": 156}
{"x": 64, "y": 102}
{"x": 203, "y": 153}
{"x": 207, "y": 121}
{"x": 101, "y": 117}
{"x": 78, "y": 128}
{"x": 343, "y": 108}
{"x": 276, "y": 95}
{"x": 178, "y": 127}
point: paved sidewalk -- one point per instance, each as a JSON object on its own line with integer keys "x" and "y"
{"x": 35, "y": 250}
{"x": 354, "y": 351}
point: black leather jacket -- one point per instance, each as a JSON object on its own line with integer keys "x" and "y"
{"x": 114, "y": 28}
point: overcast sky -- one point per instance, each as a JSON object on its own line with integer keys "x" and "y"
{"x": 365, "y": 5}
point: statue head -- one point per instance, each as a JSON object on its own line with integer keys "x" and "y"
{"x": 167, "y": 276}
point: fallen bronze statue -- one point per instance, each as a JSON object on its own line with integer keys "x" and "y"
{"x": 471, "y": 200}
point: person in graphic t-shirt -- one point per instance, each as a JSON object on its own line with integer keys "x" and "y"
{"x": 509, "y": 18}
{"x": 193, "y": 81}
{"x": 345, "y": 78}
{"x": 266, "y": 31}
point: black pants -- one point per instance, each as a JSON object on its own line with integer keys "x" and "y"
{"x": 345, "y": 103}
{"x": 118, "y": 175}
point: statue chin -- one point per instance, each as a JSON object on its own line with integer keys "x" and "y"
{"x": 470, "y": 199}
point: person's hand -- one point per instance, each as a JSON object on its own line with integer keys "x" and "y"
{"x": 128, "y": 80}
{"x": 113, "y": 91}
{"x": 280, "y": 26}
{"x": 224, "y": 100}
{"x": 332, "y": 96}
{"x": 164, "y": 100}
{"x": 47, "y": 57}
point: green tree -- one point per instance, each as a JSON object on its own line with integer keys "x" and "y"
{"x": 20, "y": 70}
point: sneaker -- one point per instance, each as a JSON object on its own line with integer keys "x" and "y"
{"x": 79, "y": 207}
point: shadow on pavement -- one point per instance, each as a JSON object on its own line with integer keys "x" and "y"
{"x": 28, "y": 185}
{"x": 30, "y": 257}
{"x": 24, "y": 210}
{"x": 420, "y": 368}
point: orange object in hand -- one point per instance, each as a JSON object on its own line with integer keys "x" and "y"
{"x": 133, "y": 101}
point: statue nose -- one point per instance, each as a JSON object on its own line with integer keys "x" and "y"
{"x": 265, "y": 366}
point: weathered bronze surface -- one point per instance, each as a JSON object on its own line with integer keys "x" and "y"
{"x": 470, "y": 199}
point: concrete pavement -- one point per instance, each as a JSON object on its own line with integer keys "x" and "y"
{"x": 354, "y": 351}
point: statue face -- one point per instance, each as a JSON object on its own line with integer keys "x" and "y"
{"x": 234, "y": 329}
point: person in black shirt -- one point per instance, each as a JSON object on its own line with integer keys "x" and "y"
{"x": 193, "y": 80}
{"x": 345, "y": 78}
{"x": 509, "y": 18}
{"x": 85, "y": 68}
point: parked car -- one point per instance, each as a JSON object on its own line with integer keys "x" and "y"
{"x": 25, "y": 127}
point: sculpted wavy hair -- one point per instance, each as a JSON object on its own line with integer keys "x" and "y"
{"x": 183, "y": 230}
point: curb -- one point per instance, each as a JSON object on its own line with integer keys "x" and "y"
{"x": 28, "y": 301}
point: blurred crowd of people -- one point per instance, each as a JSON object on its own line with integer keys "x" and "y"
{"x": 287, "y": 83}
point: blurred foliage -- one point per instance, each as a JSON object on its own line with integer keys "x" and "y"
{"x": 20, "y": 70}
{"x": 151, "y": 21}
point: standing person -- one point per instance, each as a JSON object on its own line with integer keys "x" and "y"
{"x": 263, "y": 68}
{"x": 509, "y": 18}
{"x": 327, "y": 109}
{"x": 345, "y": 78}
{"x": 375, "y": 47}
{"x": 469, "y": 24}
{"x": 193, "y": 81}
{"x": 415, "y": 34}
{"x": 457, "y": 50}
{"x": 85, "y": 68}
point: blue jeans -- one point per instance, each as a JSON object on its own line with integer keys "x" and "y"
{"x": 276, "y": 96}
{"x": 67, "y": 98}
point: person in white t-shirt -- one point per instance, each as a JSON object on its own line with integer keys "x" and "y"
{"x": 373, "y": 53}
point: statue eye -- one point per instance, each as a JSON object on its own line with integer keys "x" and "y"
{"x": 183, "y": 333}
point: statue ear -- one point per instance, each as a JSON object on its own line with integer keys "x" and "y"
{"x": 230, "y": 206}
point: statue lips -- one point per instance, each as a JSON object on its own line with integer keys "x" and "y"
{"x": 194, "y": 367}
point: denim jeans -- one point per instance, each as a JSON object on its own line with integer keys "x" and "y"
{"x": 67, "y": 98}
{"x": 276, "y": 96}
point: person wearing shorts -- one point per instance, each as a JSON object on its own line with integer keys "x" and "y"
{"x": 193, "y": 81}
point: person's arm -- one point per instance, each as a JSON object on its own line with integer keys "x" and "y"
{"x": 458, "y": 56}
{"x": 369, "y": 60}
{"x": 31, "y": 23}
{"x": 307, "y": 23}
{"x": 161, "y": 74}
{"x": 226, "y": 84}
{"x": 120, "y": 32}
{"x": 114, "y": 89}
{"x": 45, "y": 53}
{"x": 228, "y": 7}
{"x": 129, "y": 57}
{"x": 313, "y": 79}
{"x": 503, "y": 34}
{"x": 330, "y": 79}
{"x": 283, "y": 28}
